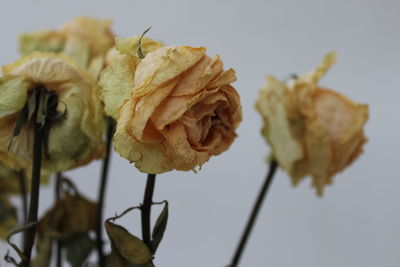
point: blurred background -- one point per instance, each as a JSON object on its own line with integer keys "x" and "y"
{"x": 355, "y": 224}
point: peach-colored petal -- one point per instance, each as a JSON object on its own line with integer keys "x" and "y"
{"x": 146, "y": 106}
{"x": 173, "y": 108}
{"x": 198, "y": 76}
{"x": 224, "y": 78}
{"x": 164, "y": 64}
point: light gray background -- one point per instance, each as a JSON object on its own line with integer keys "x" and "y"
{"x": 355, "y": 224}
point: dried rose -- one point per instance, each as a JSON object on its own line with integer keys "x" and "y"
{"x": 75, "y": 139}
{"x": 312, "y": 130}
{"x": 86, "y": 40}
{"x": 178, "y": 108}
{"x": 117, "y": 80}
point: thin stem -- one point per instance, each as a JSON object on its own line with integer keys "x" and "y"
{"x": 24, "y": 200}
{"x": 146, "y": 209}
{"x": 59, "y": 242}
{"x": 35, "y": 188}
{"x": 256, "y": 208}
{"x": 101, "y": 196}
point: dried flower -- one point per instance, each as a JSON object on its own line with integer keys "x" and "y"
{"x": 85, "y": 40}
{"x": 174, "y": 109}
{"x": 117, "y": 80}
{"x": 75, "y": 139}
{"x": 312, "y": 130}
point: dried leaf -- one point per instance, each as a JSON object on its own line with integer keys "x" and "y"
{"x": 78, "y": 249}
{"x": 128, "y": 246}
{"x": 159, "y": 228}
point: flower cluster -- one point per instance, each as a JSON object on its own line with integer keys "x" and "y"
{"x": 165, "y": 108}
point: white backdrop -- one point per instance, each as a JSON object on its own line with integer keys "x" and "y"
{"x": 356, "y": 223}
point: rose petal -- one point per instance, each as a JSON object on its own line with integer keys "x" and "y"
{"x": 117, "y": 82}
{"x": 44, "y": 41}
{"x": 13, "y": 94}
{"x": 198, "y": 76}
{"x": 164, "y": 64}
{"x": 286, "y": 148}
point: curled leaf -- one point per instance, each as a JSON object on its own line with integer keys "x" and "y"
{"x": 139, "y": 46}
{"x": 16, "y": 230}
{"x": 159, "y": 227}
{"x": 127, "y": 245}
{"x": 78, "y": 249}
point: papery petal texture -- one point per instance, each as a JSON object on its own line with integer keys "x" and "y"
{"x": 312, "y": 130}
{"x": 181, "y": 111}
{"x": 75, "y": 139}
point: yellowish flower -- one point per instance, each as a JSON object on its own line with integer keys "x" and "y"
{"x": 86, "y": 40}
{"x": 73, "y": 140}
{"x": 312, "y": 130}
{"x": 117, "y": 80}
{"x": 174, "y": 109}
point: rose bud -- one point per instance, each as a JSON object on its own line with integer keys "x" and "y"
{"x": 311, "y": 130}
{"x": 174, "y": 109}
{"x": 85, "y": 40}
{"x": 73, "y": 132}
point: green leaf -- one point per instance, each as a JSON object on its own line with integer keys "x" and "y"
{"x": 21, "y": 120}
{"x": 78, "y": 249}
{"x": 128, "y": 246}
{"x": 41, "y": 111}
{"x": 32, "y": 104}
{"x": 159, "y": 228}
{"x": 115, "y": 260}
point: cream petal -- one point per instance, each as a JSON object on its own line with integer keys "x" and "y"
{"x": 116, "y": 83}
{"x": 286, "y": 148}
{"x": 13, "y": 94}
{"x": 44, "y": 41}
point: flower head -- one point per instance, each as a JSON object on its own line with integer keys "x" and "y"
{"x": 174, "y": 109}
{"x": 312, "y": 130}
{"x": 73, "y": 140}
{"x": 85, "y": 40}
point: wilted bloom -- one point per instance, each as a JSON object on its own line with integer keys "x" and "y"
{"x": 117, "y": 80}
{"x": 174, "y": 109}
{"x": 71, "y": 141}
{"x": 312, "y": 130}
{"x": 86, "y": 40}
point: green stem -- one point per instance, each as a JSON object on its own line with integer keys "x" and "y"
{"x": 24, "y": 200}
{"x": 59, "y": 242}
{"x": 256, "y": 208}
{"x": 35, "y": 189}
{"x": 146, "y": 210}
{"x": 101, "y": 196}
